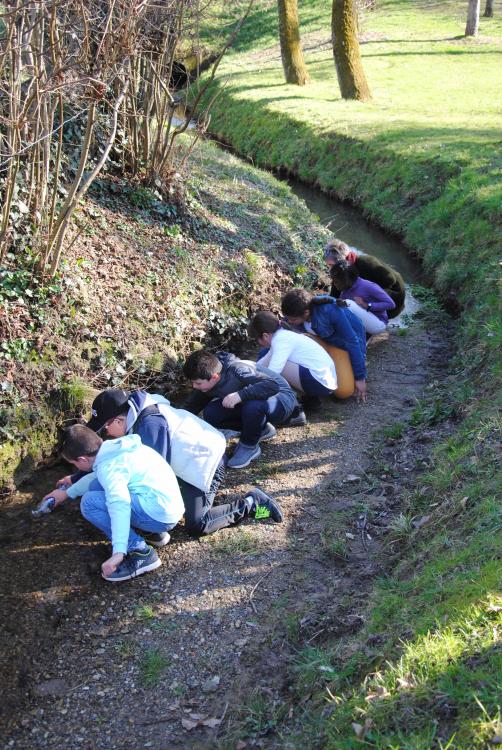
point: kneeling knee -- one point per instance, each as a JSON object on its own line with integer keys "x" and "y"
{"x": 195, "y": 528}
{"x": 85, "y": 504}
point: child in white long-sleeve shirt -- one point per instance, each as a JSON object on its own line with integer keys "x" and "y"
{"x": 130, "y": 487}
{"x": 299, "y": 359}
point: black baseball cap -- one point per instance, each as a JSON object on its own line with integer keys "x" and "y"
{"x": 107, "y": 406}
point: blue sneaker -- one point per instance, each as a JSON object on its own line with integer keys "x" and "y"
{"x": 264, "y": 506}
{"x": 267, "y": 433}
{"x": 243, "y": 456}
{"x": 135, "y": 564}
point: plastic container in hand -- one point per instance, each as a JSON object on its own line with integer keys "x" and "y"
{"x": 46, "y": 506}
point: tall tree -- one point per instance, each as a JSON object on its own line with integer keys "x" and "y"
{"x": 488, "y": 9}
{"x": 471, "y": 28}
{"x": 348, "y": 63}
{"x": 295, "y": 70}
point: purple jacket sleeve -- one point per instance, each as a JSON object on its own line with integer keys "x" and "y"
{"x": 374, "y": 293}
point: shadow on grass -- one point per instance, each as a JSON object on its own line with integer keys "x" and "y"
{"x": 439, "y": 708}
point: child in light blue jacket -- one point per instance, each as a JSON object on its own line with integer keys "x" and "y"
{"x": 130, "y": 487}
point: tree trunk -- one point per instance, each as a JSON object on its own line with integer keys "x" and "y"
{"x": 471, "y": 28}
{"x": 488, "y": 9}
{"x": 348, "y": 63}
{"x": 293, "y": 63}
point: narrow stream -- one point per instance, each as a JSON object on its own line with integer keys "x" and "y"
{"x": 348, "y": 224}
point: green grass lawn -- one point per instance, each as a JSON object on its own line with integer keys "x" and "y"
{"x": 422, "y": 72}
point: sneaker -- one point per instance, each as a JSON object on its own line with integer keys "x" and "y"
{"x": 229, "y": 434}
{"x": 297, "y": 418}
{"x": 243, "y": 456}
{"x": 135, "y": 564}
{"x": 155, "y": 540}
{"x": 264, "y": 506}
{"x": 267, "y": 433}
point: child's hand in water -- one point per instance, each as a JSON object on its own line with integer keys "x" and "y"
{"x": 110, "y": 566}
{"x": 58, "y": 495}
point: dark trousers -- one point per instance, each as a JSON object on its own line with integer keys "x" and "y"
{"x": 200, "y": 516}
{"x": 310, "y": 385}
{"x": 249, "y": 417}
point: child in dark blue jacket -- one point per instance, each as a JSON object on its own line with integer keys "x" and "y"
{"x": 237, "y": 394}
{"x": 332, "y": 321}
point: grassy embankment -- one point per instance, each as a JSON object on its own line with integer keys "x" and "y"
{"x": 145, "y": 282}
{"x": 424, "y": 160}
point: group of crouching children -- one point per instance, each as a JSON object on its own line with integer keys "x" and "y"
{"x": 161, "y": 463}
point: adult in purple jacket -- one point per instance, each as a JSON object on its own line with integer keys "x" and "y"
{"x": 365, "y": 299}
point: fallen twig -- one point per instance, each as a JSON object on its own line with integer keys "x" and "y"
{"x": 260, "y": 580}
{"x": 362, "y": 525}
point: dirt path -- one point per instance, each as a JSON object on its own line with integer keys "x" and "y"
{"x": 158, "y": 662}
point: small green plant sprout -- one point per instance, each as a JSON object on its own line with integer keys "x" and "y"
{"x": 252, "y": 265}
{"x": 337, "y": 549}
{"x": 16, "y": 350}
{"x": 394, "y": 431}
{"x": 236, "y": 541}
{"x": 313, "y": 666}
{"x": 261, "y": 715}
{"x": 75, "y": 394}
{"x": 179, "y": 691}
{"x": 292, "y": 625}
{"x": 144, "y": 612}
{"x": 431, "y": 412}
{"x": 401, "y": 527}
{"x": 125, "y": 648}
{"x": 300, "y": 273}
{"x": 142, "y": 197}
{"x": 152, "y": 665}
{"x": 174, "y": 230}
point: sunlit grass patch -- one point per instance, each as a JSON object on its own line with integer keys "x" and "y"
{"x": 236, "y": 541}
{"x": 152, "y": 665}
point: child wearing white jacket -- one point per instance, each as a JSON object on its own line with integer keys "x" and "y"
{"x": 194, "y": 450}
{"x": 299, "y": 359}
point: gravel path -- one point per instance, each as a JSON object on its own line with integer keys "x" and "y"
{"x": 168, "y": 660}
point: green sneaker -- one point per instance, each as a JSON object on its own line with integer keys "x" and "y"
{"x": 263, "y": 506}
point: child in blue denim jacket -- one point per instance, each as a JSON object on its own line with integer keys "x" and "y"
{"x": 332, "y": 321}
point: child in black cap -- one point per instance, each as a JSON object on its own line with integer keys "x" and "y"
{"x": 193, "y": 448}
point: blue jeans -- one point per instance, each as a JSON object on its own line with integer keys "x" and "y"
{"x": 93, "y": 508}
{"x": 249, "y": 417}
{"x": 310, "y": 385}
